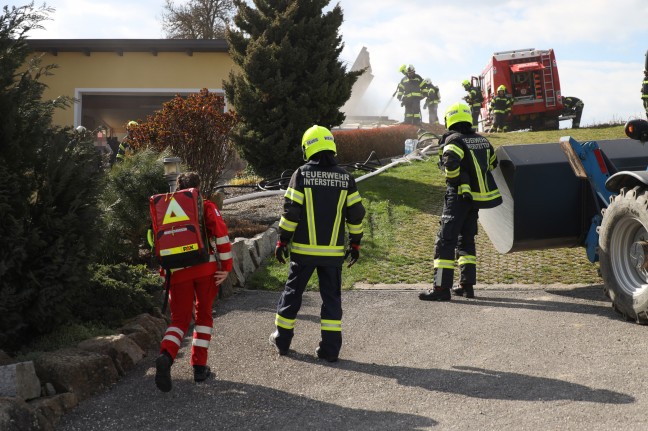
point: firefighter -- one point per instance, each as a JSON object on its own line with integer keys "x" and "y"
{"x": 466, "y": 160}
{"x": 124, "y": 146}
{"x": 321, "y": 198}
{"x": 410, "y": 95}
{"x": 474, "y": 99}
{"x": 200, "y": 282}
{"x": 573, "y": 106}
{"x": 644, "y": 91}
{"x": 500, "y": 107}
{"x": 432, "y": 99}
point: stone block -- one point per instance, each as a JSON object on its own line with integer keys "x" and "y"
{"x": 54, "y": 407}
{"x": 124, "y": 352}
{"x": 78, "y": 371}
{"x": 139, "y": 335}
{"x": 19, "y": 380}
{"x": 16, "y": 414}
{"x": 251, "y": 245}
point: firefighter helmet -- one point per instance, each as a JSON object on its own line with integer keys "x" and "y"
{"x": 317, "y": 139}
{"x": 427, "y": 81}
{"x": 457, "y": 113}
{"x": 80, "y": 130}
{"x": 501, "y": 88}
{"x": 465, "y": 83}
{"x": 131, "y": 124}
{"x": 410, "y": 69}
{"x": 403, "y": 68}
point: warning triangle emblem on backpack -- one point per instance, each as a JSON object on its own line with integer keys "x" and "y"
{"x": 174, "y": 213}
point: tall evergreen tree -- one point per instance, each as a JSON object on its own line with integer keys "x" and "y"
{"x": 290, "y": 78}
{"x": 48, "y": 180}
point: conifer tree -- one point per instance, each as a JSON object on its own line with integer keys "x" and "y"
{"x": 290, "y": 77}
{"x": 48, "y": 186}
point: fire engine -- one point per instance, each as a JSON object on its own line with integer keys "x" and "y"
{"x": 531, "y": 80}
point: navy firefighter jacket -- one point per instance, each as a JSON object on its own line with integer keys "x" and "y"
{"x": 467, "y": 161}
{"x": 320, "y": 200}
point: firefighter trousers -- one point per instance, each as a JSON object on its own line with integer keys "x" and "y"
{"x": 330, "y": 284}
{"x": 456, "y": 239}
{"x": 181, "y": 303}
{"x": 412, "y": 110}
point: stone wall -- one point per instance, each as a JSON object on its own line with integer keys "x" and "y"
{"x": 35, "y": 394}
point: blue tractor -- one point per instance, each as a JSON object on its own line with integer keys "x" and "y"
{"x": 598, "y": 200}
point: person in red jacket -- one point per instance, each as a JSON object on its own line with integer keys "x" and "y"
{"x": 200, "y": 282}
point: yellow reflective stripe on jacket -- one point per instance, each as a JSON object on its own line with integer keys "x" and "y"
{"x": 287, "y": 225}
{"x": 468, "y": 259}
{"x": 464, "y": 188}
{"x": 331, "y": 325}
{"x": 455, "y": 149}
{"x": 488, "y": 196}
{"x": 354, "y": 229}
{"x": 478, "y": 172}
{"x": 353, "y": 198}
{"x": 452, "y": 174}
{"x": 285, "y": 323}
{"x": 338, "y": 217}
{"x": 294, "y": 195}
{"x": 317, "y": 250}
{"x": 310, "y": 216}
{"x": 444, "y": 263}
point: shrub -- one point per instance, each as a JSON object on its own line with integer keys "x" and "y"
{"x": 196, "y": 129}
{"x": 125, "y": 204}
{"x": 117, "y": 292}
{"x": 48, "y": 193}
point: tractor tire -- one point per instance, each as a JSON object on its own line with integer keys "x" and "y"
{"x": 623, "y": 253}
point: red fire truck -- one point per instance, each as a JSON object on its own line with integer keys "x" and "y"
{"x": 531, "y": 80}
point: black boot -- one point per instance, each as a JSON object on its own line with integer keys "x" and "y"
{"x": 163, "y": 371}
{"x": 273, "y": 341}
{"x": 201, "y": 373}
{"x": 464, "y": 290}
{"x": 436, "y": 294}
{"x": 322, "y": 355}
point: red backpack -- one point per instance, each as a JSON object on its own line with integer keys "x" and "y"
{"x": 179, "y": 234}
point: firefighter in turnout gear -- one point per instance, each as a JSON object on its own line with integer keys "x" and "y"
{"x": 124, "y": 146}
{"x": 321, "y": 198}
{"x": 410, "y": 95}
{"x": 200, "y": 284}
{"x": 573, "y": 106}
{"x": 474, "y": 99}
{"x": 644, "y": 91}
{"x": 432, "y": 99}
{"x": 466, "y": 159}
{"x": 500, "y": 107}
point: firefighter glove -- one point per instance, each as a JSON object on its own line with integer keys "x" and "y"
{"x": 281, "y": 251}
{"x": 354, "y": 252}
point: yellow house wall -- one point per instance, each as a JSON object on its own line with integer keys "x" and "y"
{"x": 135, "y": 71}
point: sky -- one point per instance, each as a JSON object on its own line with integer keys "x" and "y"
{"x": 600, "y": 45}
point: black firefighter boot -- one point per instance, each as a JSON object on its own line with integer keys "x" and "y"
{"x": 436, "y": 294}
{"x": 466, "y": 290}
{"x": 163, "y": 371}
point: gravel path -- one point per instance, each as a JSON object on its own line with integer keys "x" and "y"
{"x": 547, "y": 358}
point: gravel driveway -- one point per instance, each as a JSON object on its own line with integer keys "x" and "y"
{"x": 512, "y": 359}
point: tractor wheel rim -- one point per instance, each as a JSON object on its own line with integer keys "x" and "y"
{"x": 628, "y": 256}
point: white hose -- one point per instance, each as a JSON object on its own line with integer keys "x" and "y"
{"x": 417, "y": 154}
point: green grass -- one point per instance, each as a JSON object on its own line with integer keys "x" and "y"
{"x": 404, "y": 205}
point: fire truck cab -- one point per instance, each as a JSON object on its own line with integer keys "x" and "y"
{"x": 531, "y": 79}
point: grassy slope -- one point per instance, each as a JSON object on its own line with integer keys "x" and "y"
{"x": 403, "y": 209}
